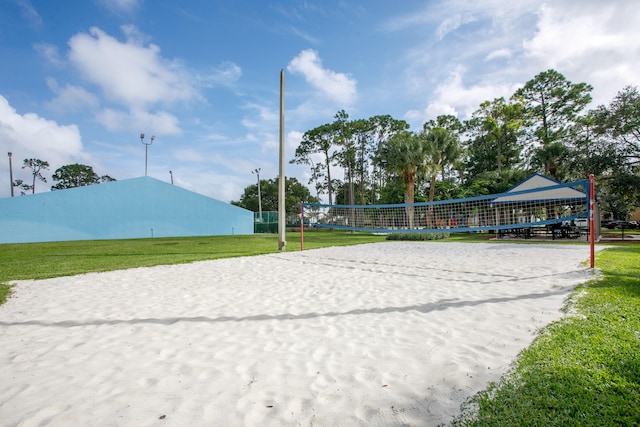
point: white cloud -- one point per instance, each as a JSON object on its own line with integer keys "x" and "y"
{"x": 453, "y": 36}
{"x": 121, "y": 6}
{"x": 454, "y": 97}
{"x": 222, "y": 187}
{"x": 339, "y": 87}
{"x": 452, "y": 23}
{"x": 136, "y": 120}
{"x": 134, "y": 36}
{"x": 70, "y": 98}
{"x": 293, "y": 139}
{"x": 589, "y": 41}
{"x": 50, "y": 53}
{"x": 305, "y": 36}
{"x": 31, "y": 136}
{"x": 188, "y": 155}
{"x": 265, "y": 117}
{"x": 129, "y": 73}
{"x": 448, "y": 16}
{"x": 499, "y": 53}
{"x": 30, "y": 13}
{"x": 225, "y": 74}
{"x": 565, "y": 33}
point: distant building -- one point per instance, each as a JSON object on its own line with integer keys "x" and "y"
{"x": 127, "y": 209}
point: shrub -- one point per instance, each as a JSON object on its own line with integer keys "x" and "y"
{"x": 417, "y": 236}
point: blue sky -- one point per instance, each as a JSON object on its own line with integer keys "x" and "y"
{"x": 80, "y": 80}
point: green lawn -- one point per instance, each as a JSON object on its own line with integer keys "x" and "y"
{"x": 583, "y": 370}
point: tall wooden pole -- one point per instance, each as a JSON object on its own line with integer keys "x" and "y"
{"x": 10, "y": 174}
{"x": 282, "y": 217}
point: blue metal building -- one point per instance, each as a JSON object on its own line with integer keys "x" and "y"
{"x": 132, "y": 208}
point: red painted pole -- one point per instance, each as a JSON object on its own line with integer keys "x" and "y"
{"x": 592, "y": 231}
{"x": 301, "y": 227}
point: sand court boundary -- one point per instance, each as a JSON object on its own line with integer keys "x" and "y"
{"x": 383, "y": 334}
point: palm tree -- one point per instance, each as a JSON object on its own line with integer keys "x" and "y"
{"x": 548, "y": 157}
{"x": 444, "y": 151}
{"x": 405, "y": 153}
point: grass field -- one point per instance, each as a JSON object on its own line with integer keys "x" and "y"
{"x": 583, "y": 370}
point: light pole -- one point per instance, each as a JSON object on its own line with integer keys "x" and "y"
{"x": 146, "y": 150}
{"x": 10, "y": 174}
{"x": 171, "y": 173}
{"x": 257, "y": 172}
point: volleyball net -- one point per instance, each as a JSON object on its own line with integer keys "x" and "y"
{"x": 522, "y": 209}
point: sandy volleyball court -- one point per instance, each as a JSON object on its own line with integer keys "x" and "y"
{"x": 386, "y": 334}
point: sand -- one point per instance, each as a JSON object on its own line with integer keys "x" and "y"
{"x": 386, "y": 334}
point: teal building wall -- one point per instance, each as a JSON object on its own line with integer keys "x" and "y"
{"x": 134, "y": 208}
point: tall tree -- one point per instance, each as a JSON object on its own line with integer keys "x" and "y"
{"x": 443, "y": 145}
{"x": 495, "y": 130}
{"x": 548, "y": 157}
{"x": 405, "y": 154}
{"x": 446, "y": 121}
{"x": 36, "y": 166}
{"x": 318, "y": 151}
{"x": 609, "y": 147}
{"x": 494, "y": 182}
{"x": 552, "y": 104}
{"x": 294, "y": 190}
{"x": 346, "y": 156}
{"x": 383, "y": 128}
{"x": 23, "y": 186}
{"x": 362, "y": 131}
{"x": 621, "y": 122}
{"x": 76, "y": 175}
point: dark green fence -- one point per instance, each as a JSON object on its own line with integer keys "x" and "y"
{"x": 268, "y": 223}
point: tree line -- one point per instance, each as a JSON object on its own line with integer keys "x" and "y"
{"x": 68, "y": 176}
{"x": 543, "y": 127}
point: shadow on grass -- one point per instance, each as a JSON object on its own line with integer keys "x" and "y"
{"x": 619, "y": 282}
